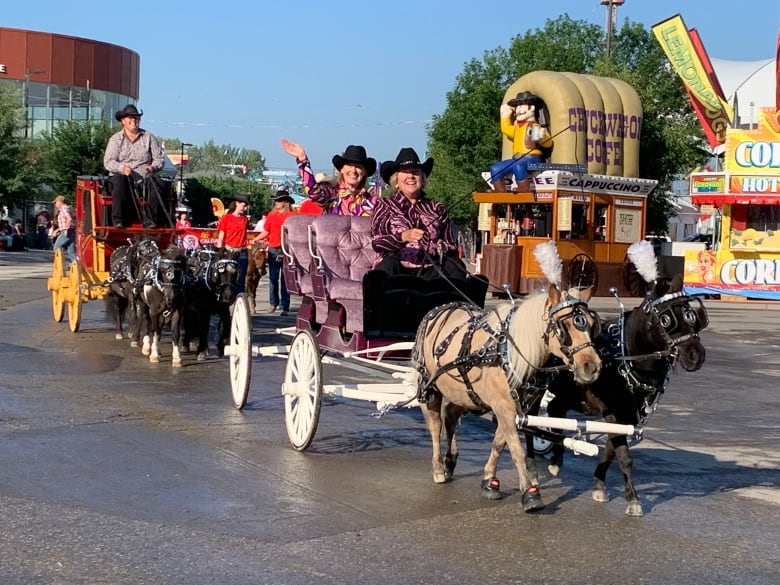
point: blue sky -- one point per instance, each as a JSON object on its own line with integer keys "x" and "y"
{"x": 331, "y": 73}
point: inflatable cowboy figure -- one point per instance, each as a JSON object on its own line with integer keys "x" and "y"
{"x": 529, "y": 140}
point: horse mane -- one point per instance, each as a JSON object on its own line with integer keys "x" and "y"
{"x": 527, "y": 328}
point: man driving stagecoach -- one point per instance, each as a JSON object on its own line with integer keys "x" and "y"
{"x": 132, "y": 156}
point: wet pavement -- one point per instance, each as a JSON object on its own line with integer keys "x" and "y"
{"x": 120, "y": 471}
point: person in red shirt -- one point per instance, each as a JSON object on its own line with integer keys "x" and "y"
{"x": 232, "y": 235}
{"x": 279, "y": 298}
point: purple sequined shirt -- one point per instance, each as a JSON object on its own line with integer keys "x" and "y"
{"x": 336, "y": 200}
{"x": 397, "y": 214}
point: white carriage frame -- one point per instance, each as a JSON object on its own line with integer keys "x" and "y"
{"x": 303, "y": 385}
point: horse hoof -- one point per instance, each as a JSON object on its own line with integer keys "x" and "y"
{"x": 439, "y": 477}
{"x": 154, "y": 359}
{"x": 202, "y": 356}
{"x": 176, "y": 364}
{"x": 634, "y": 509}
{"x": 600, "y": 496}
{"x": 554, "y": 469}
{"x": 133, "y": 344}
{"x": 491, "y": 489}
{"x": 119, "y": 336}
{"x": 532, "y": 500}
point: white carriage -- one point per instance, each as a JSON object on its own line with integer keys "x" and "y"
{"x": 355, "y": 318}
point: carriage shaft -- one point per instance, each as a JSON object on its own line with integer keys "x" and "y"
{"x": 567, "y": 424}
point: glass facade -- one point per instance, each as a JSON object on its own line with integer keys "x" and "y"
{"x": 48, "y": 104}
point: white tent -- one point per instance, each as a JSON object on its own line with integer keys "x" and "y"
{"x": 752, "y": 83}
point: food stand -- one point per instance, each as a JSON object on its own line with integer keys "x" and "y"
{"x": 745, "y": 199}
{"x": 588, "y": 198}
{"x": 597, "y": 215}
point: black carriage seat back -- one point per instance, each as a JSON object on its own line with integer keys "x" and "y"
{"x": 296, "y": 261}
{"x": 394, "y": 306}
{"x": 343, "y": 255}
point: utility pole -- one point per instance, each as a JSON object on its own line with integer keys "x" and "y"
{"x": 612, "y": 6}
{"x": 181, "y": 169}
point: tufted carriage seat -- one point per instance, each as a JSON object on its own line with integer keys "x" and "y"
{"x": 295, "y": 246}
{"x": 343, "y": 254}
{"x": 330, "y": 261}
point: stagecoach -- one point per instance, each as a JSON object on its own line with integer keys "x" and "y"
{"x": 87, "y": 277}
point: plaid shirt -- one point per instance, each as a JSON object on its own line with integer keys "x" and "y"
{"x": 121, "y": 151}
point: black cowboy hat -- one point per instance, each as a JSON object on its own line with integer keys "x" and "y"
{"x": 243, "y": 197}
{"x": 283, "y": 195}
{"x": 355, "y": 154}
{"x": 407, "y": 157}
{"x": 524, "y": 97}
{"x": 128, "y": 110}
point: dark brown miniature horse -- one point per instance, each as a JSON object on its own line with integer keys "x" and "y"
{"x": 161, "y": 298}
{"x": 638, "y": 351}
{"x": 211, "y": 290}
{"x": 258, "y": 260}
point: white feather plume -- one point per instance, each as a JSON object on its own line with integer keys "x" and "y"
{"x": 643, "y": 257}
{"x": 550, "y": 262}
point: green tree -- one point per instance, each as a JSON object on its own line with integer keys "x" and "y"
{"x": 72, "y": 148}
{"x": 17, "y": 177}
{"x": 211, "y": 157}
{"x": 465, "y": 138}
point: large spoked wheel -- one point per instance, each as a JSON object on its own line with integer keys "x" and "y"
{"x": 583, "y": 272}
{"x": 54, "y": 284}
{"x": 74, "y": 297}
{"x": 302, "y": 390}
{"x": 240, "y": 351}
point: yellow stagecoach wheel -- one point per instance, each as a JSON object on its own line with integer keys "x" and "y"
{"x": 54, "y": 284}
{"x": 74, "y": 297}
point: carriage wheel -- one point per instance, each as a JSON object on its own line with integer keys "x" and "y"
{"x": 240, "y": 351}
{"x": 302, "y": 390}
{"x": 74, "y": 297}
{"x": 542, "y": 446}
{"x": 583, "y": 273}
{"x": 54, "y": 284}
{"x": 632, "y": 280}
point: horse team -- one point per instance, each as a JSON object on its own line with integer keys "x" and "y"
{"x": 505, "y": 360}
{"x": 149, "y": 288}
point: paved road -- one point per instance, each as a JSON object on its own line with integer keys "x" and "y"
{"x": 119, "y": 471}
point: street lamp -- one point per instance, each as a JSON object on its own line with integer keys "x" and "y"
{"x": 181, "y": 170}
{"x": 27, "y": 73}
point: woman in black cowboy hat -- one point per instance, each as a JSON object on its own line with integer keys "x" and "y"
{"x": 414, "y": 234}
{"x": 132, "y": 154}
{"x": 345, "y": 194}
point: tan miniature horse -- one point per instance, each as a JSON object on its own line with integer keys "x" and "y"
{"x": 258, "y": 259}
{"x": 472, "y": 360}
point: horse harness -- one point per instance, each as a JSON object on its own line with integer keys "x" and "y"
{"x": 660, "y": 311}
{"x": 210, "y": 266}
{"x": 495, "y": 351}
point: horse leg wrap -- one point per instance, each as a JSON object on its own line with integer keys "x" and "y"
{"x": 532, "y": 500}
{"x": 491, "y": 489}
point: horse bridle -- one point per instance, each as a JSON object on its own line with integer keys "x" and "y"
{"x": 218, "y": 267}
{"x": 579, "y": 317}
{"x": 661, "y": 311}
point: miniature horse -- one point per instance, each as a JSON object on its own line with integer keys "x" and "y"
{"x": 123, "y": 284}
{"x": 258, "y": 260}
{"x": 473, "y": 360}
{"x": 161, "y": 295}
{"x": 638, "y": 351}
{"x": 211, "y": 289}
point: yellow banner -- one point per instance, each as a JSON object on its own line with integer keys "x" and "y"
{"x": 755, "y": 150}
{"x": 672, "y": 34}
